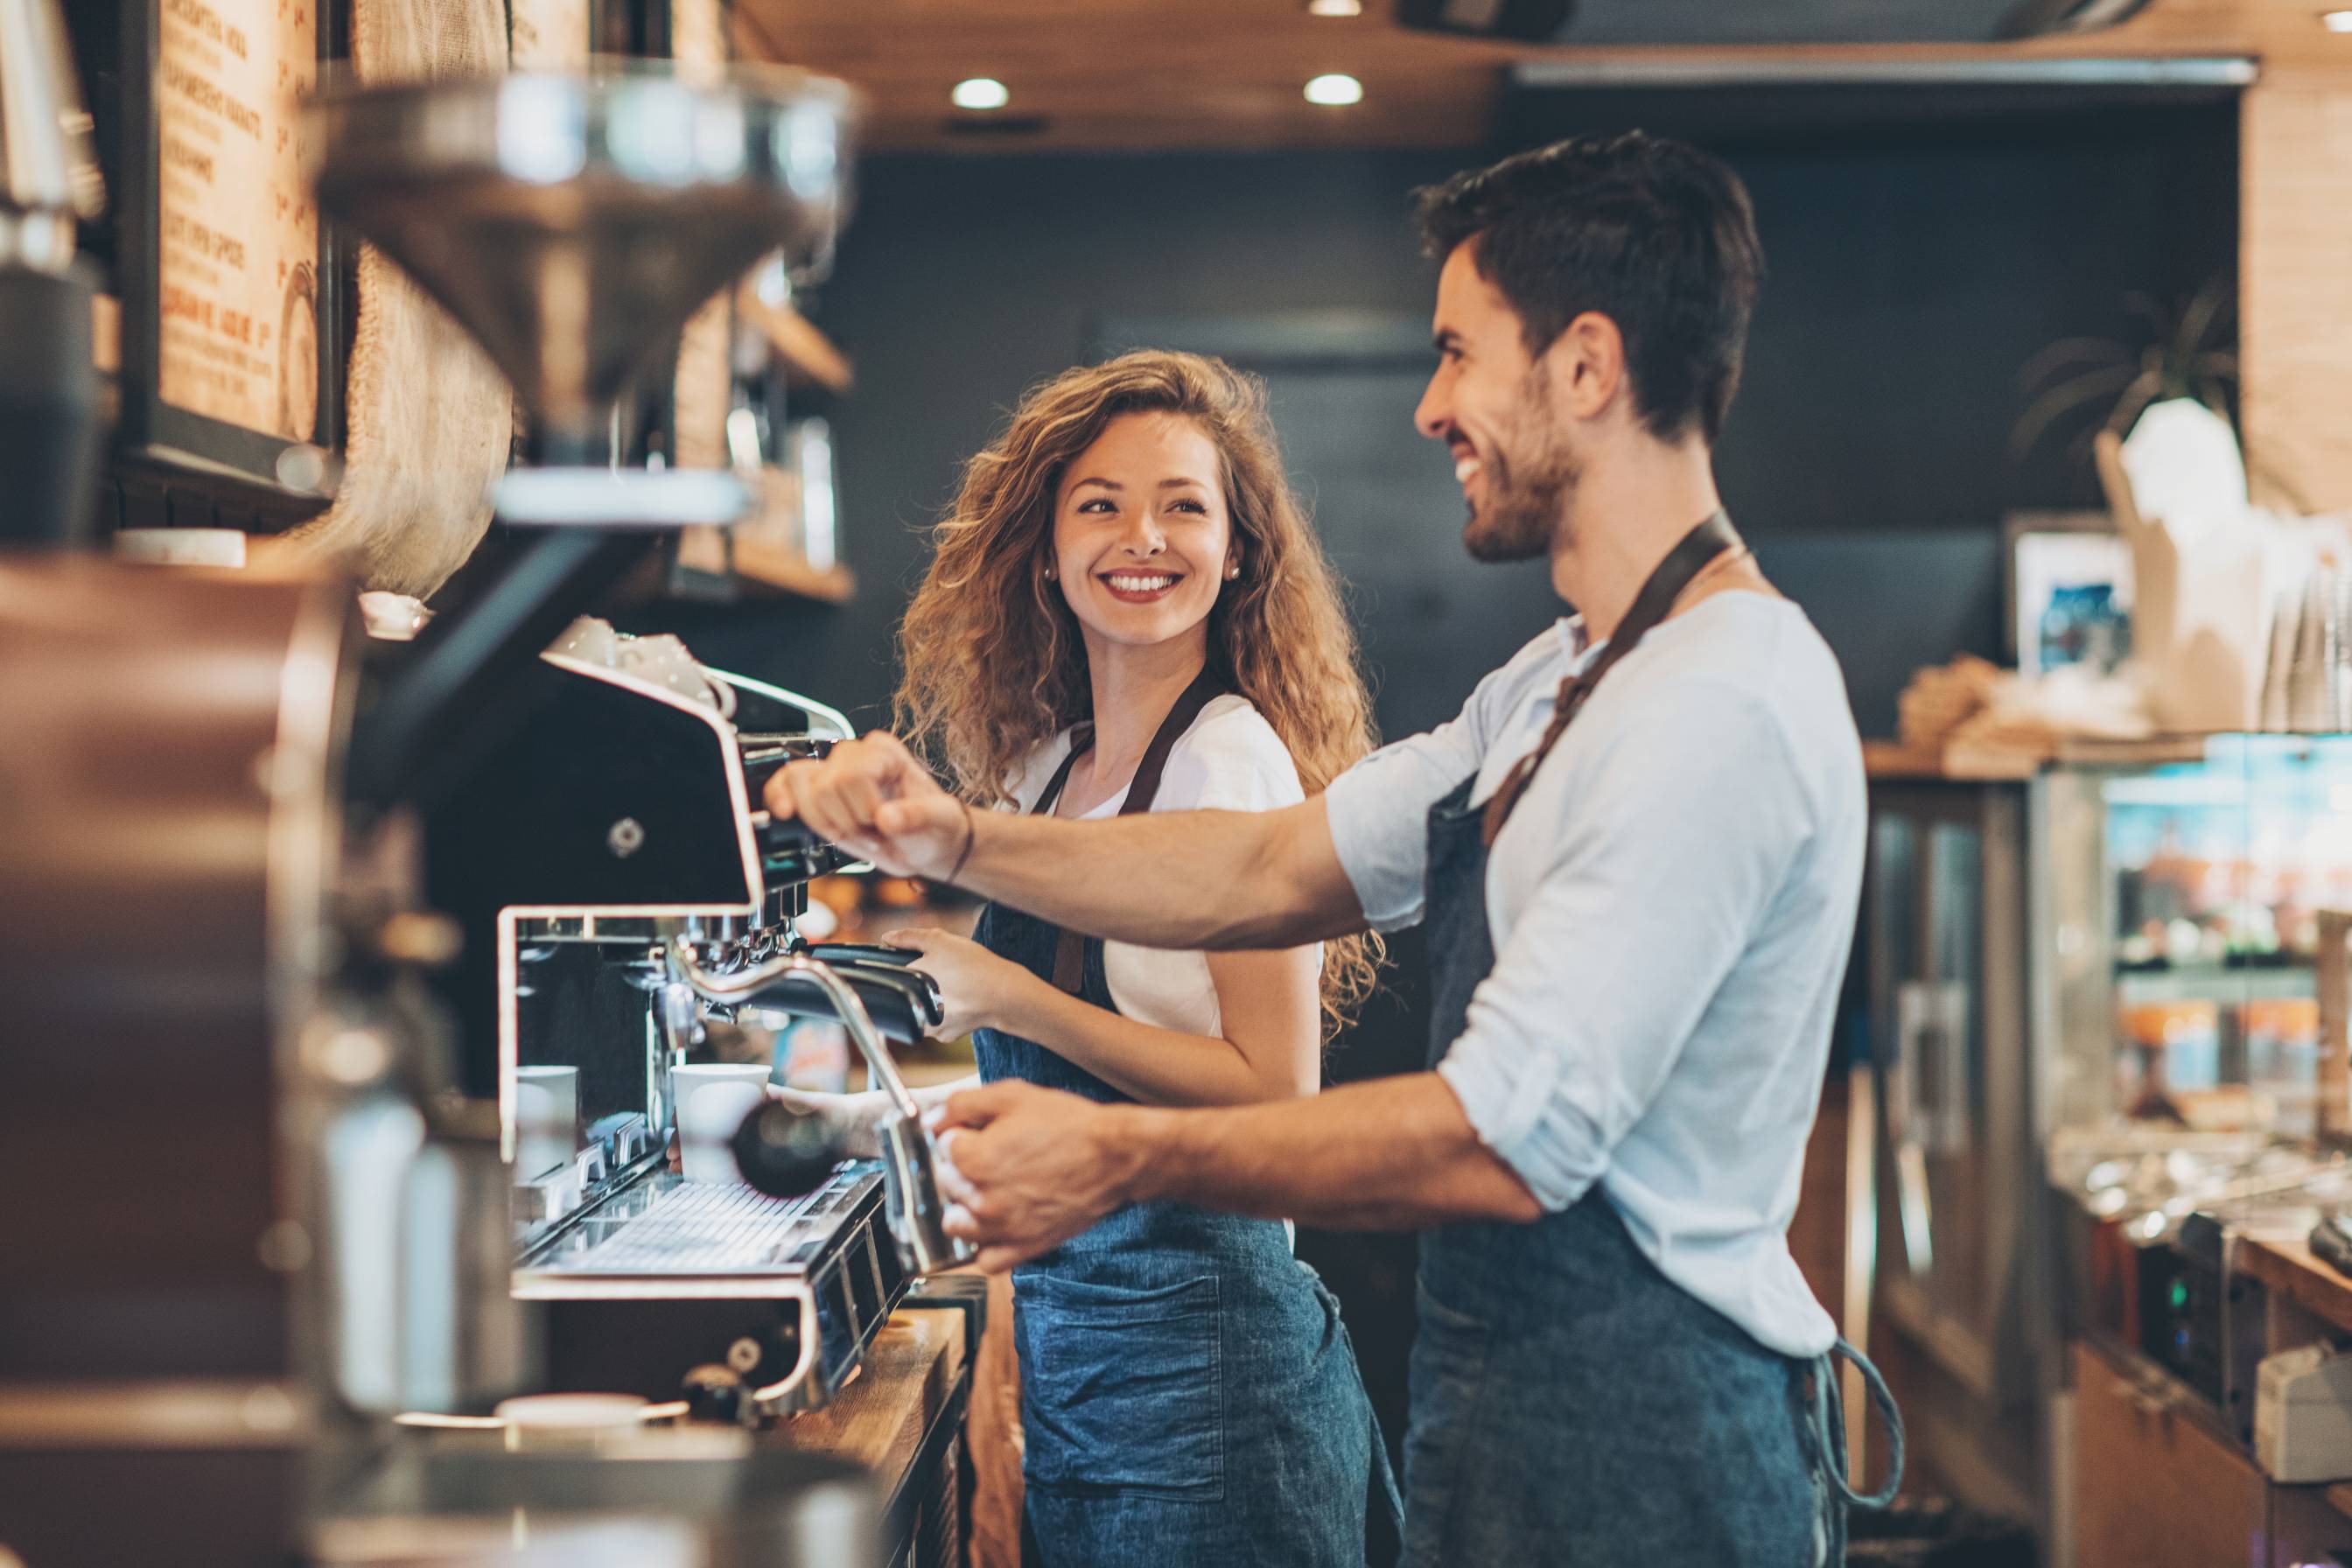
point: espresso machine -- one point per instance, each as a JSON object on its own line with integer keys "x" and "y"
{"x": 279, "y": 1268}
{"x": 598, "y": 844}
{"x": 620, "y": 891}
{"x": 588, "y": 803}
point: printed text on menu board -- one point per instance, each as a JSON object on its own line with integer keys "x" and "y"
{"x": 238, "y": 258}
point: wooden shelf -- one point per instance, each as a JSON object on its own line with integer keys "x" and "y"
{"x": 106, "y": 334}
{"x": 2151, "y": 753}
{"x": 712, "y": 566}
{"x": 1892, "y": 760}
{"x": 2217, "y": 982}
{"x": 760, "y": 564}
{"x": 808, "y": 352}
{"x": 2289, "y": 1269}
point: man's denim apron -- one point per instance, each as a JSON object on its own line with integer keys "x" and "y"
{"x": 1570, "y": 1403}
{"x": 1188, "y": 1393}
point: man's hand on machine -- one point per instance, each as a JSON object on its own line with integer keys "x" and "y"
{"x": 1025, "y": 1168}
{"x": 874, "y": 798}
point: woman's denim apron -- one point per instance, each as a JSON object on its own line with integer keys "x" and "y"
{"x": 1188, "y": 1393}
{"x": 1570, "y": 1403}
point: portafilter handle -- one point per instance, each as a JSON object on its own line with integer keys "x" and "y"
{"x": 909, "y": 1159}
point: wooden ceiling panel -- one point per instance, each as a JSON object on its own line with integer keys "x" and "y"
{"x": 1203, "y": 74}
{"x": 1134, "y": 74}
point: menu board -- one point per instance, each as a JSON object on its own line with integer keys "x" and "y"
{"x": 237, "y": 235}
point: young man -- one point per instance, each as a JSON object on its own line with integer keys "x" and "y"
{"x": 1638, "y": 850}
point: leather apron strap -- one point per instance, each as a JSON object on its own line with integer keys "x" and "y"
{"x": 1666, "y": 583}
{"x": 1069, "y": 956}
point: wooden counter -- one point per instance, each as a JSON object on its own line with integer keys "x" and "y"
{"x": 2287, "y": 1268}
{"x": 2159, "y": 1483}
{"x": 901, "y": 1418}
{"x": 915, "y": 1365}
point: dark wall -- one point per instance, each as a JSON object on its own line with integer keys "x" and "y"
{"x": 1912, "y": 271}
{"x": 963, "y": 280}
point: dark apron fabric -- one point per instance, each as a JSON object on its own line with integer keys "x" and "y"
{"x": 1188, "y": 1393}
{"x": 1570, "y": 1403}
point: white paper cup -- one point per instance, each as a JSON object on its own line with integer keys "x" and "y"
{"x": 713, "y": 1098}
{"x": 547, "y": 1119}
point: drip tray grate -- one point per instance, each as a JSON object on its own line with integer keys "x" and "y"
{"x": 665, "y": 1224}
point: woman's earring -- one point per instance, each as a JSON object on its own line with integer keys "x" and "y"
{"x": 1233, "y": 572}
{"x": 1050, "y": 574}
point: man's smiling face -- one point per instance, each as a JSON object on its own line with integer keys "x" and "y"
{"x": 1491, "y": 404}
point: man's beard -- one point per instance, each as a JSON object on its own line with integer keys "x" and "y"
{"x": 1527, "y": 496}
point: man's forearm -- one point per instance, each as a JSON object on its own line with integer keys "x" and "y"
{"x": 1394, "y": 1155}
{"x": 1186, "y": 879}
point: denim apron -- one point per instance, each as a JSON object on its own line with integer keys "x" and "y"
{"x": 1570, "y": 1403}
{"x": 1188, "y": 1393}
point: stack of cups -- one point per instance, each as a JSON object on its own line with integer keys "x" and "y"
{"x": 547, "y": 1120}
{"x": 713, "y": 1098}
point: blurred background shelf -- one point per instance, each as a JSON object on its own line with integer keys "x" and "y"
{"x": 2136, "y": 988}
{"x": 806, "y": 352}
{"x": 714, "y": 568}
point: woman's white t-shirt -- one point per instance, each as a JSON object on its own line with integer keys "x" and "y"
{"x": 1229, "y": 759}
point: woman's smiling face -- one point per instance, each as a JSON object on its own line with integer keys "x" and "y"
{"x": 1142, "y": 537}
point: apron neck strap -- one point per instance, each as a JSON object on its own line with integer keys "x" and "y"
{"x": 1144, "y": 787}
{"x": 1069, "y": 957}
{"x": 1699, "y": 550}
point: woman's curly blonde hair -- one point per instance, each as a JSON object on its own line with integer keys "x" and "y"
{"x": 992, "y": 658}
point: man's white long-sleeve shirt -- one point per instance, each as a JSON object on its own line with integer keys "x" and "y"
{"x": 1671, "y": 905}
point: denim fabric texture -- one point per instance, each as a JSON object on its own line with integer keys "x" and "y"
{"x": 1188, "y": 1393}
{"x": 1570, "y": 1403}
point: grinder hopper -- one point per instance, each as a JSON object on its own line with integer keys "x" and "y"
{"x": 573, "y": 223}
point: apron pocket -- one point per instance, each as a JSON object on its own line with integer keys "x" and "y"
{"x": 1119, "y": 1386}
{"x": 1449, "y": 1374}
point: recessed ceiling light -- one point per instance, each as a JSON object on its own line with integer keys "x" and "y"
{"x": 2336, "y": 21}
{"x": 1335, "y": 90}
{"x": 1335, "y": 7}
{"x": 980, "y": 92}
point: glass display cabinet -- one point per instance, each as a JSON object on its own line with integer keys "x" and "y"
{"x": 2093, "y": 1008}
{"x": 2182, "y": 901}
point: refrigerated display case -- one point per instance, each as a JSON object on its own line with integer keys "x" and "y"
{"x": 2100, "y": 972}
{"x": 2182, "y": 927}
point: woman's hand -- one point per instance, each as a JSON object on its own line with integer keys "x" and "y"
{"x": 851, "y": 1121}
{"x": 980, "y": 990}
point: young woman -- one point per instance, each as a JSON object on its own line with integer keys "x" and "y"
{"x": 1127, "y": 611}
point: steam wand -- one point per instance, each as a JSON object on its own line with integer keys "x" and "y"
{"x": 909, "y": 1161}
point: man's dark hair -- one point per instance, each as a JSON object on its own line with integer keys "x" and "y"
{"x": 1656, "y": 235}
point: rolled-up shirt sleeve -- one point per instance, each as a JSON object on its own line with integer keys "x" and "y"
{"x": 1677, "y": 843}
